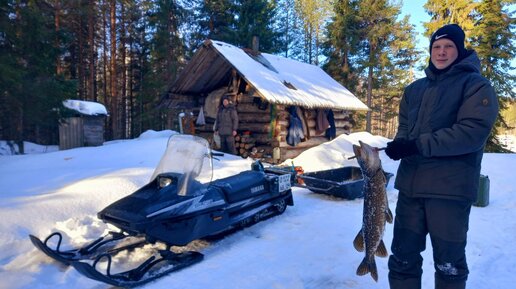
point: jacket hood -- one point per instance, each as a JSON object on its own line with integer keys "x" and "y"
{"x": 230, "y": 106}
{"x": 470, "y": 63}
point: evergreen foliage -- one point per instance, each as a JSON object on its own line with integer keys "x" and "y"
{"x": 314, "y": 14}
{"x": 126, "y": 53}
{"x": 30, "y": 91}
{"x": 290, "y": 29}
{"x": 216, "y": 20}
{"x": 494, "y": 41}
{"x": 371, "y": 52}
{"x": 256, "y": 18}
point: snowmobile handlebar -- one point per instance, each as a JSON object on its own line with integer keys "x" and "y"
{"x": 213, "y": 154}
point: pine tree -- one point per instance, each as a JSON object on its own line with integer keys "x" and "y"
{"x": 342, "y": 43}
{"x": 256, "y": 18}
{"x": 164, "y": 60}
{"x": 314, "y": 14}
{"x": 493, "y": 40}
{"x": 450, "y": 11}
{"x": 290, "y": 29}
{"x": 378, "y": 24}
{"x": 371, "y": 52}
{"x": 396, "y": 74}
{"x": 33, "y": 92}
{"x": 216, "y": 21}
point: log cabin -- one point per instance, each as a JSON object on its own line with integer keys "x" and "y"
{"x": 264, "y": 88}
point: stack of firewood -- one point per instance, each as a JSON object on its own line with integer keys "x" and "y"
{"x": 245, "y": 145}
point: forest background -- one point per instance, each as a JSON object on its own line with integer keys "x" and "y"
{"x": 126, "y": 53}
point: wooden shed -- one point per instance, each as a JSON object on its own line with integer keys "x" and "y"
{"x": 83, "y": 126}
{"x": 264, "y": 88}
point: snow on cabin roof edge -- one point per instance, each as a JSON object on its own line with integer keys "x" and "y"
{"x": 85, "y": 107}
{"x": 289, "y": 82}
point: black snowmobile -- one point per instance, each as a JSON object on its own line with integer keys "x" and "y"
{"x": 181, "y": 204}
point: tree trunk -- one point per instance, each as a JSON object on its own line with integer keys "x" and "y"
{"x": 57, "y": 43}
{"x": 124, "y": 73}
{"x": 104, "y": 56}
{"x": 92, "y": 94}
{"x": 113, "y": 91}
{"x": 369, "y": 88}
{"x": 80, "y": 64}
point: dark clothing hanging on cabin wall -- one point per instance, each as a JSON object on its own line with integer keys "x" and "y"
{"x": 325, "y": 123}
{"x": 295, "y": 129}
{"x": 301, "y": 115}
{"x": 331, "y": 132}
{"x": 321, "y": 122}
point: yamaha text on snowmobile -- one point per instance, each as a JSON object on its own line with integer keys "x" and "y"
{"x": 181, "y": 204}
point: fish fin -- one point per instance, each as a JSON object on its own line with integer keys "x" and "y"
{"x": 373, "y": 270}
{"x": 368, "y": 267}
{"x": 358, "y": 243}
{"x": 381, "y": 251}
{"x": 389, "y": 216}
{"x": 363, "y": 268}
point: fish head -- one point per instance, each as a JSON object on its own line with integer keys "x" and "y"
{"x": 368, "y": 158}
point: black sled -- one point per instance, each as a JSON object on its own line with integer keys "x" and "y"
{"x": 344, "y": 182}
{"x": 181, "y": 204}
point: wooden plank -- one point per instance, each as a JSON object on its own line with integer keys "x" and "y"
{"x": 71, "y": 134}
{"x": 256, "y": 117}
{"x": 313, "y": 141}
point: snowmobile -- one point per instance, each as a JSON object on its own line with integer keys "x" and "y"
{"x": 180, "y": 204}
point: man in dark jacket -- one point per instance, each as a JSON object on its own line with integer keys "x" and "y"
{"x": 444, "y": 122}
{"x": 226, "y": 126}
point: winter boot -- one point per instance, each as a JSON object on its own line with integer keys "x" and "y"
{"x": 441, "y": 283}
{"x": 409, "y": 283}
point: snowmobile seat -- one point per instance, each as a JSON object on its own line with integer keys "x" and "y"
{"x": 245, "y": 185}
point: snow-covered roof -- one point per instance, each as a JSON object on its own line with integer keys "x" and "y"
{"x": 277, "y": 79}
{"x": 86, "y": 107}
{"x": 286, "y": 81}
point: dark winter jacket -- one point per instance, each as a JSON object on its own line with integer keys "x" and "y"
{"x": 227, "y": 120}
{"x": 450, "y": 116}
{"x": 295, "y": 129}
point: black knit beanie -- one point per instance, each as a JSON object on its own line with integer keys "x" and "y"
{"x": 455, "y": 34}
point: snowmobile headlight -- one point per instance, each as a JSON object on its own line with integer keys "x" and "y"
{"x": 163, "y": 182}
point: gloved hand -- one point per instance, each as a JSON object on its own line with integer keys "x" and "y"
{"x": 401, "y": 148}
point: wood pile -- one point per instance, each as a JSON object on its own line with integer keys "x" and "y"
{"x": 245, "y": 145}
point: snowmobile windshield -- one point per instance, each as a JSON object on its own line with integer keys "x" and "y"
{"x": 188, "y": 157}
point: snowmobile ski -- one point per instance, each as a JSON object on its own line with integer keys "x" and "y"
{"x": 90, "y": 251}
{"x": 149, "y": 270}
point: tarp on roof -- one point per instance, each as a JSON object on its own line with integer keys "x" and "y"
{"x": 290, "y": 82}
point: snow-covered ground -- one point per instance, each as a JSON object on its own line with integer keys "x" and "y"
{"x": 309, "y": 246}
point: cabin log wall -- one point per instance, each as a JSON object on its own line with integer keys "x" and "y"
{"x": 258, "y": 122}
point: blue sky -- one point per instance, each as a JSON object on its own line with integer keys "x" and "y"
{"x": 417, "y": 13}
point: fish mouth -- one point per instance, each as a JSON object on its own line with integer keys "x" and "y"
{"x": 357, "y": 150}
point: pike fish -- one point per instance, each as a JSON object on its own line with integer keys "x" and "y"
{"x": 376, "y": 209}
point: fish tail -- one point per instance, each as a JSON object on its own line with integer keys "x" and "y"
{"x": 368, "y": 267}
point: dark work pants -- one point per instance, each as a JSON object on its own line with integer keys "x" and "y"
{"x": 227, "y": 144}
{"x": 447, "y": 223}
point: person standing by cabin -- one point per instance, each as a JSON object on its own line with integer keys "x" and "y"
{"x": 444, "y": 122}
{"x": 226, "y": 125}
